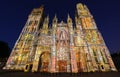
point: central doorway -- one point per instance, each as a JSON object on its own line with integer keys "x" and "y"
{"x": 62, "y": 66}
{"x": 44, "y": 62}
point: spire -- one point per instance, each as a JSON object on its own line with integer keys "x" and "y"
{"x": 55, "y": 19}
{"x": 69, "y": 20}
{"x": 47, "y": 19}
{"x": 42, "y": 6}
{"x": 68, "y": 15}
{"x": 46, "y": 22}
{"x": 55, "y": 16}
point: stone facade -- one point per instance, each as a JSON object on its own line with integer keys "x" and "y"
{"x": 64, "y": 47}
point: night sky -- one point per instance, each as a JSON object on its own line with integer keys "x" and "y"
{"x": 14, "y": 14}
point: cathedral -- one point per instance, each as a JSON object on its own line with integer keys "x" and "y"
{"x": 62, "y": 47}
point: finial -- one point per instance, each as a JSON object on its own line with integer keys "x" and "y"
{"x": 55, "y": 19}
{"x": 69, "y": 20}
{"x": 55, "y": 16}
{"x": 68, "y": 15}
{"x": 42, "y": 6}
{"x": 47, "y": 17}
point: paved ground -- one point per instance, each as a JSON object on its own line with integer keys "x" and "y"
{"x": 30, "y": 74}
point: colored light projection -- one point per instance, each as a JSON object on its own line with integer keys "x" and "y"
{"x": 60, "y": 47}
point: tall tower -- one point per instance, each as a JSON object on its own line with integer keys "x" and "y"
{"x": 24, "y": 49}
{"x": 64, "y": 47}
{"x": 96, "y": 52}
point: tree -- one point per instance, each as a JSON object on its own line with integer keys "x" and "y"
{"x": 4, "y": 49}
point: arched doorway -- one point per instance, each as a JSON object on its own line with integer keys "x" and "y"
{"x": 44, "y": 62}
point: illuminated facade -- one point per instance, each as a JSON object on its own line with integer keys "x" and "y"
{"x": 64, "y": 47}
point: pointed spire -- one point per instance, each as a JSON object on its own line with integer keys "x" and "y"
{"x": 68, "y": 15}
{"x": 55, "y": 16}
{"x": 47, "y": 19}
{"x": 69, "y": 20}
{"x": 55, "y": 19}
{"x": 42, "y": 6}
{"x": 46, "y": 22}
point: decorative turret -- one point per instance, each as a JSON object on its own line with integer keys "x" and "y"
{"x": 46, "y": 21}
{"x": 69, "y": 21}
{"x": 54, "y": 22}
{"x": 81, "y": 10}
{"x": 45, "y": 25}
{"x": 37, "y": 11}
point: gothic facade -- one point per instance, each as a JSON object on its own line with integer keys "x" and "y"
{"x": 62, "y": 47}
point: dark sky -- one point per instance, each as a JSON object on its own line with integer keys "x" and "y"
{"x": 14, "y": 14}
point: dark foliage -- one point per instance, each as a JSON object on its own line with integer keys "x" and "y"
{"x": 116, "y": 60}
{"x": 4, "y": 49}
